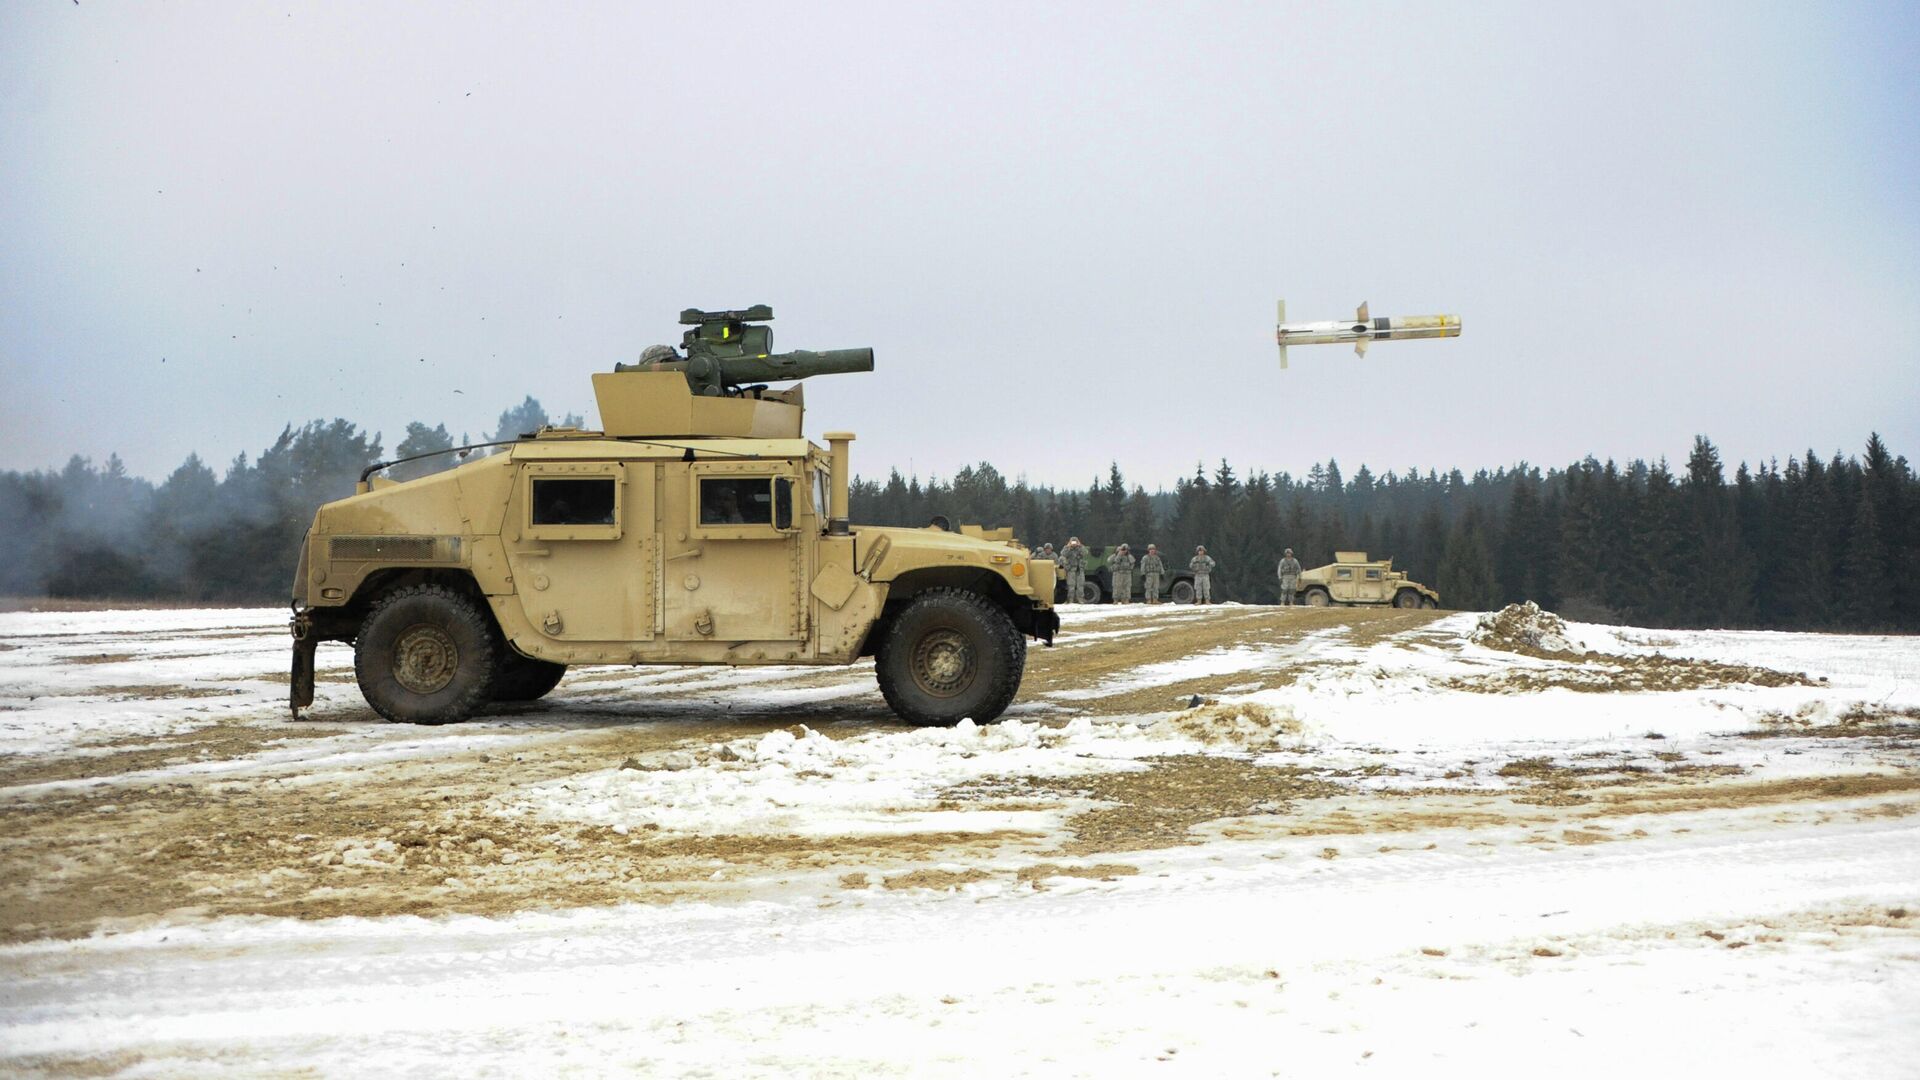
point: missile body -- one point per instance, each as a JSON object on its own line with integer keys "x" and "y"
{"x": 1361, "y": 330}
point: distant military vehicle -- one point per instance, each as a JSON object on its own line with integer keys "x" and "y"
{"x": 1176, "y": 585}
{"x": 699, "y": 527}
{"x": 1351, "y": 578}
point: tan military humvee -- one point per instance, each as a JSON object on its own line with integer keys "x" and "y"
{"x": 1352, "y": 579}
{"x": 696, "y": 529}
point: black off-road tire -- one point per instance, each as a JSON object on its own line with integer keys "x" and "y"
{"x": 1182, "y": 592}
{"x": 950, "y": 655}
{"x": 522, "y": 678}
{"x": 1317, "y": 597}
{"x": 1428, "y": 602}
{"x": 1407, "y": 598}
{"x": 1090, "y": 593}
{"x": 426, "y": 655}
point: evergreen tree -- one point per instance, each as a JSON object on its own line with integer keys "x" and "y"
{"x": 1136, "y": 521}
{"x": 1467, "y": 580}
{"x": 1524, "y": 560}
{"x": 523, "y": 419}
{"x": 421, "y": 439}
{"x": 1865, "y": 597}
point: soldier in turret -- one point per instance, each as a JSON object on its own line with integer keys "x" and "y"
{"x": 1073, "y": 558}
{"x": 1046, "y": 552}
{"x": 1289, "y": 577}
{"x": 1202, "y": 566}
{"x": 1121, "y": 569}
{"x": 653, "y": 356}
{"x": 1151, "y": 568}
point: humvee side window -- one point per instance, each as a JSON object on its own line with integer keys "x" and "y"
{"x": 1343, "y": 575}
{"x": 569, "y": 501}
{"x": 1373, "y": 575}
{"x": 725, "y": 500}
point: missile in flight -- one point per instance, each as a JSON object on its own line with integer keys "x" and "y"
{"x": 1363, "y": 329}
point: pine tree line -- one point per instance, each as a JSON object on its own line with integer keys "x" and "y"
{"x": 1812, "y": 544}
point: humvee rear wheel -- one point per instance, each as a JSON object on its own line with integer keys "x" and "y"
{"x": 1182, "y": 592}
{"x": 949, "y": 656}
{"x": 425, "y": 655}
{"x": 1318, "y": 598}
{"x": 1090, "y": 592}
{"x": 1427, "y": 603}
{"x": 522, "y": 678}
{"x": 1406, "y": 598}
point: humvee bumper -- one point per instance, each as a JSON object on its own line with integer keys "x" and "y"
{"x": 300, "y": 679}
{"x": 1045, "y": 623}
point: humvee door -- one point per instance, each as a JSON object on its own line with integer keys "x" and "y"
{"x": 734, "y": 559}
{"x": 584, "y": 554}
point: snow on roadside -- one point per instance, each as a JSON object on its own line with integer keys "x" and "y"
{"x": 73, "y": 679}
{"x": 800, "y": 782}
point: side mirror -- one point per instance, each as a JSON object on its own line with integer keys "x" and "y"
{"x": 783, "y": 504}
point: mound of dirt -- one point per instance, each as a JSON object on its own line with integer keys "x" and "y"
{"x": 1234, "y": 723}
{"x": 1523, "y": 628}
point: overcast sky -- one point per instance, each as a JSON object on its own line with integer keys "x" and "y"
{"x": 1062, "y": 228}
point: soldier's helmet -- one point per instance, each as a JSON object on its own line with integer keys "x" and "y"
{"x": 1200, "y": 550}
{"x": 1124, "y": 547}
{"x": 1289, "y": 551}
{"x": 656, "y": 354}
{"x": 1150, "y": 547}
{"x": 1073, "y": 539}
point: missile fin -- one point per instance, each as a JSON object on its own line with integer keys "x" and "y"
{"x": 1283, "y": 358}
{"x": 1360, "y": 348}
{"x": 1361, "y": 315}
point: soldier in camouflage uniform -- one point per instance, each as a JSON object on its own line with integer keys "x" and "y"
{"x": 1202, "y": 567}
{"x": 1120, "y": 567}
{"x": 1151, "y": 567}
{"x": 1289, "y": 577}
{"x": 1073, "y": 558}
{"x": 1046, "y": 552}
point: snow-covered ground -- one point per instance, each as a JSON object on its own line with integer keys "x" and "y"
{"x": 1229, "y": 841}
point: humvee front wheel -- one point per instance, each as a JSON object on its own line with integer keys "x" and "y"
{"x": 1319, "y": 598}
{"x": 950, "y": 655}
{"x": 1182, "y": 592}
{"x": 1090, "y": 592}
{"x": 425, "y": 655}
{"x": 1406, "y": 598}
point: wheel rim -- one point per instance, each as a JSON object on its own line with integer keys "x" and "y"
{"x": 943, "y": 663}
{"x": 425, "y": 659}
{"x": 1316, "y": 599}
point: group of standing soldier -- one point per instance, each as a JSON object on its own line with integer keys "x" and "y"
{"x": 1153, "y": 569}
{"x": 1120, "y": 567}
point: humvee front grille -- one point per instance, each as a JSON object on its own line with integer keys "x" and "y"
{"x": 384, "y": 548}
